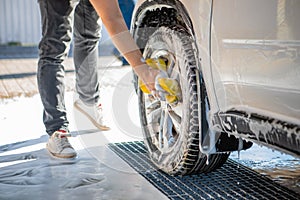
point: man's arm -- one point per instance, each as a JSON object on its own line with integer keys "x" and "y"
{"x": 112, "y": 18}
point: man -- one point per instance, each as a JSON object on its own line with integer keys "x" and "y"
{"x": 61, "y": 18}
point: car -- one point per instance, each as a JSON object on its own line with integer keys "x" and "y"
{"x": 237, "y": 64}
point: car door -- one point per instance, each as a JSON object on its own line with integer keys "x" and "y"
{"x": 255, "y": 56}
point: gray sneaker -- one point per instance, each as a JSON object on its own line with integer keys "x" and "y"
{"x": 93, "y": 113}
{"x": 58, "y": 145}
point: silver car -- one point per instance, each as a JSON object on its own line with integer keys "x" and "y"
{"x": 238, "y": 66}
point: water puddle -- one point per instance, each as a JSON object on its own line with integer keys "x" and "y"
{"x": 282, "y": 168}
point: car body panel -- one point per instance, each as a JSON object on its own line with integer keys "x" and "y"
{"x": 256, "y": 57}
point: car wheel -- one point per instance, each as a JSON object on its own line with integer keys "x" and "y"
{"x": 171, "y": 130}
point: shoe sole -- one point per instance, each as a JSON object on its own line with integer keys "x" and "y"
{"x": 100, "y": 127}
{"x": 57, "y": 155}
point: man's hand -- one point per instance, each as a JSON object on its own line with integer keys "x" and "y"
{"x": 158, "y": 83}
{"x": 147, "y": 77}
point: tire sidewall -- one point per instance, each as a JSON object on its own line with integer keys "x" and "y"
{"x": 171, "y": 161}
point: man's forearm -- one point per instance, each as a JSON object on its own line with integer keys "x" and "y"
{"x": 117, "y": 29}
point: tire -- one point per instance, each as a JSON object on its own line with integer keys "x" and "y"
{"x": 176, "y": 153}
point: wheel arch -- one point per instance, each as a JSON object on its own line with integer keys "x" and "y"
{"x": 151, "y": 15}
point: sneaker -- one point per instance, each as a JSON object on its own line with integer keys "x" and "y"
{"x": 58, "y": 145}
{"x": 94, "y": 114}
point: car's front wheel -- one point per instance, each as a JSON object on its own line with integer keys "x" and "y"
{"x": 171, "y": 130}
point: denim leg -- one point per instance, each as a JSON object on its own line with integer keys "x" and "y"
{"x": 86, "y": 38}
{"x": 126, "y": 7}
{"x": 53, "y": 48}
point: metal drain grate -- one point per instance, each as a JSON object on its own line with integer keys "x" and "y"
{"x": 232, "y": 181}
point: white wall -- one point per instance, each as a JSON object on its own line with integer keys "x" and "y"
{"x": 19, "y": 21}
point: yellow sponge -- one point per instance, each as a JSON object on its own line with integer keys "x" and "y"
{"x": 171, "y": 88}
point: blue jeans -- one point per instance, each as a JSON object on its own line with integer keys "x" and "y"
{"x": 126, "y": 7}
{"x": 61, "y": 18}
